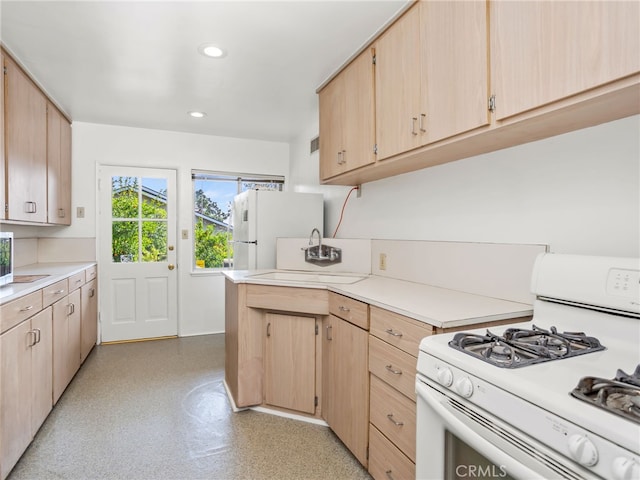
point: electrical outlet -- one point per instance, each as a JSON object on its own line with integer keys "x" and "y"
{"x": 185, "y": 234}
{"x": 80, "y": 212}
{"x": 383, "y": 261}
{"x": 359, "y": 191}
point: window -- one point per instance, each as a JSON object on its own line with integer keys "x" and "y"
{"x": 212, "y": 220}
{"x": 139, "y": 219}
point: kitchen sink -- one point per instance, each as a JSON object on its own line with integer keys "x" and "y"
{"x": 309, "y": 277}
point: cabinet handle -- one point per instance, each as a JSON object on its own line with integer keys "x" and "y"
{"x": 61, "y": 213}
{"x": 393, "y": 370}
{"x": 58, "y": 292}
{"x": 26, "y": 309}
{"x": 388, "y": 474}
{"x": 423, "y": 116}
{"x": 72, "y": 309}
{"x": 31, "y": 207}
{"x": 38, "y": 334}
{"x": 35, "y": 336}
{"x": 329, "y": 328}
{"x": 341, "y": 160}
{"x": 394, "y": 421}
{"x": 344, "y": 309}
{"x": 92, "y": 292}
{"x": 391, "y": 332}
{"x": 413, "y": 125}
{"x": 344, "y": 160}
{"x": 269, "y": 329}
{"x": 338, "y": 158}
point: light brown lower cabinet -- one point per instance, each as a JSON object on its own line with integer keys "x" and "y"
{"x": 386, "y": 461}
{"x": 290, "y": 362}
{"x": 25, "y": 385}
{"x": 66, "y": 341}
{"x": 89, "y": 318}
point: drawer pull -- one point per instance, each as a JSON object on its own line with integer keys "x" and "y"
{"x": 393, "y": 370}
{"x": 329, "y": 329}
{"x": 79, "y": 280}
{"x": 344, "y": 309}
{"x": 58, "y": 292}
{"x": 391, "y": 332}
{"x": 388, "y": 474}
{"x": 269, "y": 329}
{"x": 394, "y": 421}
{"x": 26, "y": 309}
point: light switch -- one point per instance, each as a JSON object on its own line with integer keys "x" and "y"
{"x": 80, "y": 212}
{"x": 185, "y": 234}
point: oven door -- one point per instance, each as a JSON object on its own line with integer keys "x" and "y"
{"x": 457, "y": 440}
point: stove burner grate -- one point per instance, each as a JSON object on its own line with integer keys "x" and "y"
{"x": 620, "y": 395}
{"x": 519, "y": 347}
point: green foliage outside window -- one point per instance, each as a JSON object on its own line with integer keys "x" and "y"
{"x": 211, "y": 247}
{"x": 126, "y": 229}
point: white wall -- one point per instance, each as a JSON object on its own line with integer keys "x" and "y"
{"x": 579, "y": 193}
{"x": 201, "y": 298}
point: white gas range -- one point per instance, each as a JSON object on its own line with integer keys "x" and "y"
{"x": 511, "y": 403}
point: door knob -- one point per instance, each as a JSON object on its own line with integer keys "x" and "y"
{"x": 171, "y": 266}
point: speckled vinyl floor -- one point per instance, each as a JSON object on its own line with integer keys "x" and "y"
{"x": 158, "y": 410}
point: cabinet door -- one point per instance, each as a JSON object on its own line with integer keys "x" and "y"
{"x": 545, "y": 51}
{"x": 455, "y": 67}
{"x": 398, "y": 87}
{"x": 350, "y": 387}
{"x": 26, "y": 147}
{"x": 66, "y": 342}
{"x": 58, "y": 167}
{"x": 15, "y": 395}
{"x": 290, "y": 362}
{"x": 328, "y": 368}
{"x": 41, "y": 372}
{"x": 89, "y": 319}
{"x": 331, "y": 107}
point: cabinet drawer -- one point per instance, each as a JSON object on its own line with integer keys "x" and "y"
{"x": 76, "y": 281}
{"x": 20, "y": 309}
{"x": 402, "y": 332}
{"x": 386, "y": 461}
{"x": 55, "y": 292}
{"x": 392, "y": 365}
{"x": 394, "y": 415}
{"x": 353, "y": 311}
{"x": 91, "y": 273}
{"x": 288, "y": 299}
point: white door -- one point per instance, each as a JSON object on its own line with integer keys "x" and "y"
{"x": 137, "y": 254}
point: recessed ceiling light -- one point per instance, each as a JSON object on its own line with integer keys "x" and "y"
{"x": 211, "y": 50}
{"x": 197, "y": 114}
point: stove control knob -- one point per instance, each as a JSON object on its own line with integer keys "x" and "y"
{"x": 625, "y": 469}
{"x": 445, "y": 376}
{"x": 464, "y": 387}
{"x": 583, "y": 450}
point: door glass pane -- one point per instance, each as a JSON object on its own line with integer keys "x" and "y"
{"x": 124, "y": 197}
{"x": 154, "y": 241}
{"x": 124, "y": 244}
{"x": 463, "y": 461}
{"x": 154, "y": 198}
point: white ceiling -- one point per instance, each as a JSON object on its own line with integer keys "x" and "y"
{"x": 136, "y": 63}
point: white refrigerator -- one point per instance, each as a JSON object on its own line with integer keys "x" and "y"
{"x": 261, "y": 216}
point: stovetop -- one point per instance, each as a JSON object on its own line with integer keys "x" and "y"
{"x": 519, "y": 347}
{"x": 620, "y": 395}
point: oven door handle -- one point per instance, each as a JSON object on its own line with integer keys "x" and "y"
{"x": 473, "y": 439}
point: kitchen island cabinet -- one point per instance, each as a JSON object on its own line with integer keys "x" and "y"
{"x": 345, "y": 386}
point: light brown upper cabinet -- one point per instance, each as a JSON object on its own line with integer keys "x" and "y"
{"x": 58, "y": 167}
{"x": 431, "y": 75}
{"x": 3, "y": 193}
{"x": 26, "y": 147}
{"x": 543, "y": 52}
{"x": 347, "y": 119}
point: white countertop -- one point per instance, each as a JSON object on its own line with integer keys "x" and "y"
{"x": 436, "y": 306}
{"x": 55, "y": 272}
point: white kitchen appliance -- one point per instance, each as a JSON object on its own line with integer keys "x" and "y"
{"x": 261, "y": 216}
{"x": 559, "y": 401}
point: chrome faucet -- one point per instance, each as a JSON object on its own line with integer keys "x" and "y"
{"x": 315, "y": 230}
